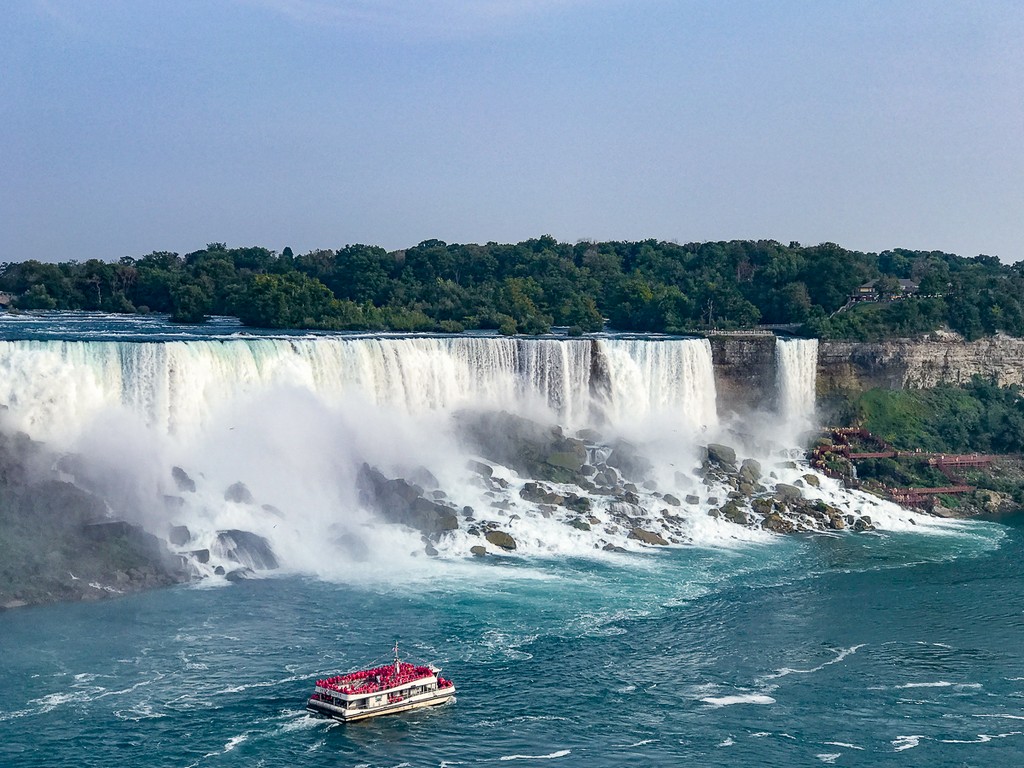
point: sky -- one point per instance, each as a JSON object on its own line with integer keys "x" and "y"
{"x": 128, "y": 127}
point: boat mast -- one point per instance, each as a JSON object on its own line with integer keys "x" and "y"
{"x": 398, "y": 666}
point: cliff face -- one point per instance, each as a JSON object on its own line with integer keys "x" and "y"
{"x": 745, "y": 366}
{"x": 744, "y": 371}
{"x": 917, "y": 364}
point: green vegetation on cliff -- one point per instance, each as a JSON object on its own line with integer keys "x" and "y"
{"x": 527, "y": 287}
{"x": 980, "y": 417}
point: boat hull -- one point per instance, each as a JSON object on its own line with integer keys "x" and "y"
{"x": 324, "y": 709}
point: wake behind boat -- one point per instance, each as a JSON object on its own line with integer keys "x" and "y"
{"x": 385, "y": 690}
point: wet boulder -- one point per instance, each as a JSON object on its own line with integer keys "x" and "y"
{"x": 750, "y": 471}
{"x": 501, "y": 539}
{"x": 179, "y": 535}
{"x": 530, "y": 448}
{"x": 722, "y": 455}
{"x": 647, "y": 537}
{"x": 787, "y": 492}
{"x": 240, "y": 574}
{"x": 627, "y": 458}
{"x": 238, "y": 493}
{"x": 245, "y": 548}
{"x": 184, "y": 483}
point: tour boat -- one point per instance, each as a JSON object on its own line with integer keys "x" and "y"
{"x": 394, "y": 687}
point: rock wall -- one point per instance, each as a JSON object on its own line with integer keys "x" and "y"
{"x": 744, "y": 371}
{"x": 745, "y": 366}
{"x": 917, "y": 363}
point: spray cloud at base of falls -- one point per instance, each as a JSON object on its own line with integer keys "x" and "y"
{"x": 601, "y": 439}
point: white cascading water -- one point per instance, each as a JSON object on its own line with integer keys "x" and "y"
{"x": 796, "y": 362}
{"x": 294, "y": 419}
{"x": 177, "y": 387}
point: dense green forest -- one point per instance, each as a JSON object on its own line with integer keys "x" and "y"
{"x": 531, "y": 286}
{"x": 981, "y": 417}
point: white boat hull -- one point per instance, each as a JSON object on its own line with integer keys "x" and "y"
{"x": 325, "y": 709}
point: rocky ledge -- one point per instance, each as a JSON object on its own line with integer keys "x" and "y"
{"x": 602, "y": 489}
{"x": 58, "y": 542}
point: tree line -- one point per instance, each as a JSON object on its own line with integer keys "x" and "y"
{"x": 528, "y": 287}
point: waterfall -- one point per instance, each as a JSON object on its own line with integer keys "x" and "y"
{"x": 796, "y": 374}
{"x": 176, "y": 387}
{"x": 277, "y": 437}
{"x": 661, "y": 380}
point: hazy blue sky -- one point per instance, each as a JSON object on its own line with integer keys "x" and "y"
{"x": 127, "y": 127}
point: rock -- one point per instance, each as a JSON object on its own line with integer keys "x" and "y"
{"x": 750, "y": 471}
{"x": 181, "y": 479}
{"x": 691, "y": 499}
{"x": 467, "y": 511}
{"x": 588, "y": 470}
{"x": 576, "y": 503}
{"x": 777, "y": 523}
{"x": 572, "y": 459}
{"x": 438, "y": 495}
{"x": 627, "y": 458}
{"x": 613, "y": 548}
{"x": 179, "y": 535}
{"x": 501, "y": 539}
{"x": 201, "y": 555}
{"x": 785, "y": 491}
{"x": 480, "y": 468}
{"x": 587, "y": 435}
{"x": 430, "y": 550}
{"x": 579, "y": 525}
{"x": 245, "y": 548}
{"x": 353, "y": 545}
{"x": 534, "y": 492}
{"x": 812, "y": 480}
{"x": 478, "y": 551}
{"x": 532, "y": 449}
{"x": 733, "y": 512}
{"x": 240, "y": 574}
{"x": 424, "y": 478}
{"x": 647, "y": 537}
{"x": 238, "y": 493}
{"x": 863, "y": 524}
{"x": 401, "y": 502}
{"x": 271, "y": 509}
{"x": 218, "y": 571}
{"x": 722, "y": 455}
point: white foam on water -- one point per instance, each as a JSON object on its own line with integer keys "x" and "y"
{"x": 901, "y": 743}
{"x": 982, "y": 738}
{"x": 841, "y": 744}
{"x": 841, "y": 654}
{"x": 829, "y": 757}
{"x": 551, "y": 756}
{"x": 743, "y": 698}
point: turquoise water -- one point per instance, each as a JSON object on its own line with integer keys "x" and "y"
{"x": 892, "y": 649}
